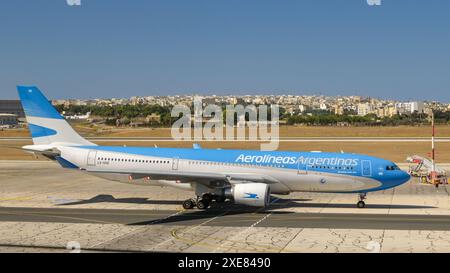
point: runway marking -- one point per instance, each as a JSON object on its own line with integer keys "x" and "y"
{"x": 163, "y": 219}
{"x": 283, "y": 249}
{"x": 327, "y": 204}
{"x": 175, "y": 235}
{"x": 250, "y": 227}
{"x": 214, "y": 246}
{"x": 237, "y": 241}
{"x": 139, "y": 229}
{"x": 232, "y": 240}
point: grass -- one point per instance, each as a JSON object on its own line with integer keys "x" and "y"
{"x": 285, "y": 131}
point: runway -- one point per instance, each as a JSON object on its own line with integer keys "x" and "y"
{"x": 232, "y": 218}
{"x": 281, "y": 139}
{"x": 43, "y": 208}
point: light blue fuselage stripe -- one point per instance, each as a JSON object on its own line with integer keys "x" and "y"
{"x": 231, "y": 156}
{"x": 387, "y": 179}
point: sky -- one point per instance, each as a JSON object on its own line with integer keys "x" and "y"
{"x": 118, "y": 48}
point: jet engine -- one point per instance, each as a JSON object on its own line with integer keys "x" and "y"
{"x": 249, "y": 194}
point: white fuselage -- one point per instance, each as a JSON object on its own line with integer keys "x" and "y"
{"x": 118, "y": 166}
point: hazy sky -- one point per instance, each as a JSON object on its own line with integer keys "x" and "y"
{"x": 121, "y": 48}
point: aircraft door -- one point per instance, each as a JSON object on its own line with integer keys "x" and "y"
{"x": 175, "y": 163}
{"x": 91, "y": 159}
{"x": 366, "y": 168}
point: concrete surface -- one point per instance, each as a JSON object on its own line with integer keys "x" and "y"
{"x": 87, "y": 210}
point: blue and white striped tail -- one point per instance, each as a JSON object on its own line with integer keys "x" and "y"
{"x": 46, "y": 125}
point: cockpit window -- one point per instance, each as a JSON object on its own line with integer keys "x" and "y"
{"x": 392, "y": 168}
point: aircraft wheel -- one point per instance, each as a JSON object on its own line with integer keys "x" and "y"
{"x": 207, "y": 197}
{"x": 188, "y": 204}
{"x": 202, "y": 204}
{"x": 361, "y": 204}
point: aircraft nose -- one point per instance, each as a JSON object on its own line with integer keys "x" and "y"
{"x": 403, "y": 177}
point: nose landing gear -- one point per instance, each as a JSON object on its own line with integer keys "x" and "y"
{"x": 361, "y": 204}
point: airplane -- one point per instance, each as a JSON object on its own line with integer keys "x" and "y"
{"x": 78, "y": 117}
{"x": 245, "y": 177}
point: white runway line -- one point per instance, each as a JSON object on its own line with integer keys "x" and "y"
{"x": 222, "y": 246}
{"x": 184, "y": 231}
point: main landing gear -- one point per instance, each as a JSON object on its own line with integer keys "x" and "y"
{"x": 188, "y": 204}
{"x": 201, "y": 202}
{"x": 361, "y": 204}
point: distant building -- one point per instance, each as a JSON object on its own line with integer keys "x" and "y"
{"x": 390, "y": 111}
{"x": 8, "y": 120}
{"x": 380, "y": 112}
{"x": 302, "y": 108}
{"x": 410, "y": 107}
{"x": 323, "y": 106}
{"x": 290, "y": 110}
{"x": 78, "y": 117}
{"x": 153, "y": 117}
{"x": 364, "y": 109}
{"x": 12, "y": 107}
{"x": 338, "y": 110}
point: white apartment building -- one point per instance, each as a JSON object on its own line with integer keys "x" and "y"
{"x": 410, "y": 107}
{"x": 301, "y": 108}
{"x": 364, "y": 109}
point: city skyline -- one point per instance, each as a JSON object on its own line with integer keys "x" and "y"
{"x": 291, "y": 104}
{"x": 398, "y": 50}
{"x": 236, "y": 94}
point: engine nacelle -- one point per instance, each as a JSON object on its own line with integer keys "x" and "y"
{"x": 250, "y": 194}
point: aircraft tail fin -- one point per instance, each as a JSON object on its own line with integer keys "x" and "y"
{"x": 46, "y": 125}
